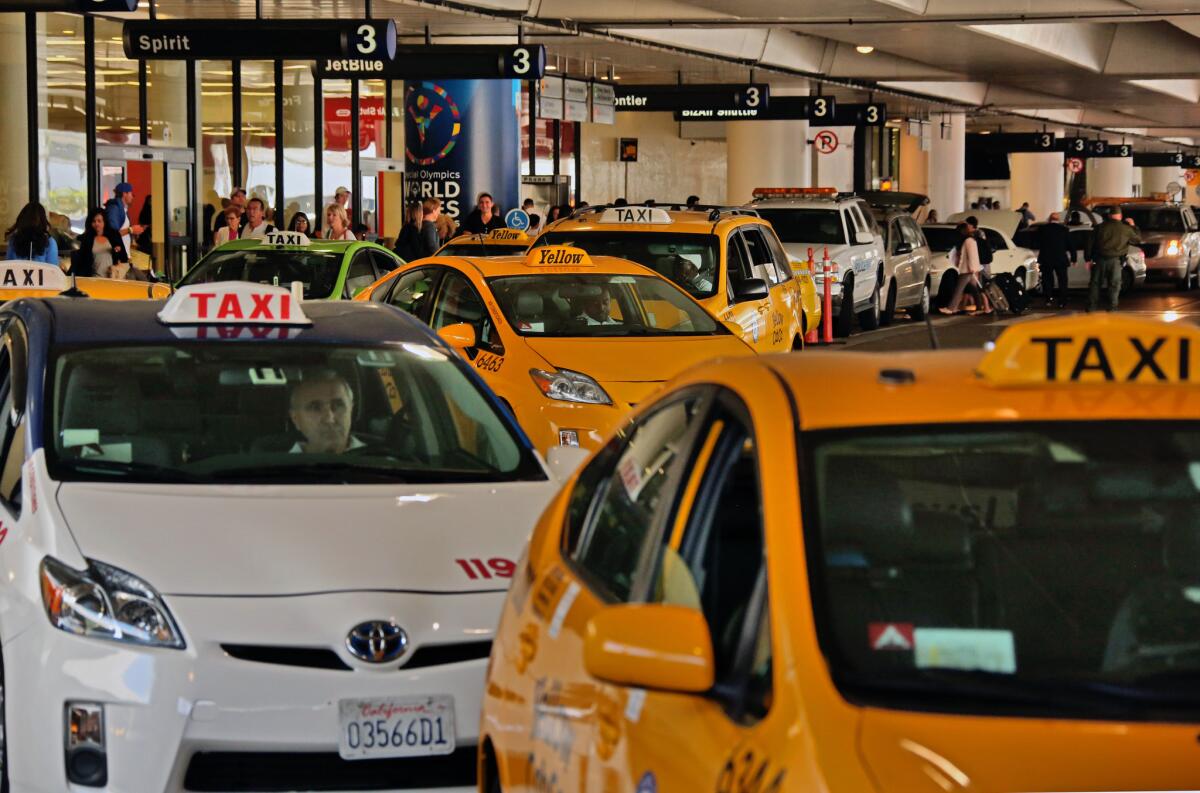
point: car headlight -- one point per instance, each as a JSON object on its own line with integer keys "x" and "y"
{"x": 1173, "y": 248}
{"x": 104, "y": 602}
{"x": 568, "y": 386}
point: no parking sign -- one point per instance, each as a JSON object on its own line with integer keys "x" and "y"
{"x": 826, "y": 141}
{"x": 1074, "y": 164}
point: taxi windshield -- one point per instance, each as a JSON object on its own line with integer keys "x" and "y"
{"x": 1155, "y": 218}
{"x": 249, "y": 412}
{"x": 317, "y": 270}
{"x": 689, "y": 260}
{"x": 599, "y": 305}
{"x": 1000, "y": 568}
{"x": 821, "y": 226}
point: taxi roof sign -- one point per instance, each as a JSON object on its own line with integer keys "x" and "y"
{"x": 779, "y": 192}
{"x": 651, "y": 215}
{"x": 286, "y": 238}
{"x": 507, "y": 235}
{"x": 18, "y": 274}
{"x": 558, "y": 256}
{"x": 1094, "y": 350}
{"x": 233, "y": 303}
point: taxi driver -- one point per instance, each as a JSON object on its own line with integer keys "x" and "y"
{"x": 594, "y": 307}
{"x": 322, "y": 407}
{"x": 688, "y": 275}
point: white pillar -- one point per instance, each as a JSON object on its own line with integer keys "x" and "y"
{"x": 1110, "y": 176}
{"x": 1038, "y": 179}
{"x": 948, "y": 164}
{"x": 766, "y": 153}
{"x": 1155, "y": 180}
{"x": 14, "y": 144}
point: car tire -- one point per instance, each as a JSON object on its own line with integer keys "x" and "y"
{"x": 921, "y": 309}
{"x": 843, "y": 323}
{"x": 889, "y": 307}
{"x": 869, "y": 318}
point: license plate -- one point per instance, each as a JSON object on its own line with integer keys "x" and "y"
{"x": 395, "y": 727}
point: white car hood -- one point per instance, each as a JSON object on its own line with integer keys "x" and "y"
{"x": 273, "y": 540}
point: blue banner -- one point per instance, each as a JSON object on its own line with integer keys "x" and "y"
{"x": 461, "y": 139}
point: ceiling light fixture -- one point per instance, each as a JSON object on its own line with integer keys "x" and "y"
{"x": 865, "y": 49}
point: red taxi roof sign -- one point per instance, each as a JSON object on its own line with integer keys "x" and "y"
{"x": 508, "y": 235}
{"x": 781, "y": 192}
{"x": 558, "y": 256}
{"x": 1094, "y": 350}
{"x": 233, "y": 303}
{"x": 18, "y": 274}
{"x": 650, "y": 215}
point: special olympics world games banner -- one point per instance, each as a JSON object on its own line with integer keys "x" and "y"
{"x": 461, "y": 139}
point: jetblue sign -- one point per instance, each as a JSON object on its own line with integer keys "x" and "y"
{"x": 443, "y": 62}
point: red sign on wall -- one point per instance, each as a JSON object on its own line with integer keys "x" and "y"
{"x": 372, "y": 115}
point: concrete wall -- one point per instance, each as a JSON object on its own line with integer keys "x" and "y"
{"x": 836, "y": 170}
{"x": 914, "y": 165}
{"x": 668, "y": 167}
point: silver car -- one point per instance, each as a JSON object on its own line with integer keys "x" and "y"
{"x": 906, "y": 266}
{"x": 1170, "y": 240}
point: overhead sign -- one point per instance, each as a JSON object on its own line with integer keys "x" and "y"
{"x": 368, "y": 40}
{"x": 76, "y": 6}
{"x": 550, "y": 98}
{"x": 441, "y": 62}
{"x": 1116, "y": 150}
{"x": 826, "y": 141}
{"x": 1084, "y": 147}
{"x": 873, "y": 114}
{"x": 1014, "y": 142}
{"x": 670, "y": 97}
{"x": 575, "y": 100}
{"x": 1160, "y": 159}
{"x": 604, "y": 109}
{"x": 781, "y": 108}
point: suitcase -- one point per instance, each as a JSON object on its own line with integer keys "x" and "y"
{"x": 996, "y": 296}
{"x": 1014, "y": 293}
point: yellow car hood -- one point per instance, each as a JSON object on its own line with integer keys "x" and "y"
{"x": 637, "y": 359}
{"x": 916, "y": 752}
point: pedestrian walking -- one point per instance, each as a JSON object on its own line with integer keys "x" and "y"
{"x": 257, "y": 227}
{"x": 338, "y": 223}
{"x": 966, "y": 258}
{"x": 116, "y": 212}
{"x": 30, "y": 238}
{"x": 408, "y": 241}
{"x": 100, "y": 247}
{"x": 341, "y": 197}
{"x": 554, "y": 213}
{"x": 1056, "y": 251}
{"x": 1110, "y": 242}
{"x": 1027, "y": 213}
{"x": 692, "y": 201}
{"x": 431, "y": 210}
{"x": 237, "y": 199}
{"x": 299, "y": 222}
{"x": 483, "y": 218}
{"x": 232, "y": 228}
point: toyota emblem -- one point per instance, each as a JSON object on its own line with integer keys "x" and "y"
{"x": 377, "y": 641}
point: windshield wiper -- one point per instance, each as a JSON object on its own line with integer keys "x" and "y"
{"x": 134, "y": 471}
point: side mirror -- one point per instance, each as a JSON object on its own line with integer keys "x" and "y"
{"x": 564, "y": 461}
{"x": 654, "y": 646}
{"x": 460, "y": 336}
{"x": 903, "y": 247}
{"x": 863, "y": 238}
{"x": 751, "y": 289}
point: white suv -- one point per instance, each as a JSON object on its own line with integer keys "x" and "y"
{"x": 822, "y": 220}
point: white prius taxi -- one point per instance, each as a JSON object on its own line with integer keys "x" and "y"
{"x": 248, "y": 543}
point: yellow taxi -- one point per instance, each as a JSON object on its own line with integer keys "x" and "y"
{"x": 764, "y": 582}
{"x": 568, "y": 341}
{"x": 19, "y": 278}
{"x": 729, "y": 259}
{"x": 497, "y": 242}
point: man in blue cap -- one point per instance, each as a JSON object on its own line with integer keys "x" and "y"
{"x": 116, "y": 212}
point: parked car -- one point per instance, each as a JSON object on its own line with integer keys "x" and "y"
{"x": 1133, "y": 273}
{"x": 1007, "y": 255}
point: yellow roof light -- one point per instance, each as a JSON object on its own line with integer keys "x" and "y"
{"x": 652, "y": 215}
{"x": 558, "y": 256}
{"x": 776, "y": 192}
{"x": 1094, "y": 350}
{"x": 508, "y": 235}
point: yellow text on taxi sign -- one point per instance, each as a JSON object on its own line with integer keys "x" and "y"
{"x": 1094, "y": 350}
{"x": 515, "y": 235}
{"x": 558, "y": 256}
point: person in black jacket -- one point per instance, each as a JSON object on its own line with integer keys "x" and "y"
{"x": 1056, "y": 250}
{"x": 484, "y": 218}
{"x": 408, "y": 242}
{"x": 100, "y": 247}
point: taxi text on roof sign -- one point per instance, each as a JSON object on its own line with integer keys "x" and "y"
{"x": 558, "y": 256}
{"x": 286, "y": 238}
{"x": 17, "y": 274}
{"x": 515, "y": 235}
{"x": 233, "y": 303}
{"x": 635, "y": 215}
{"x": 1093, "y": 350}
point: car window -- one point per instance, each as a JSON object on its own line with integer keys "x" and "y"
{"x": 361, "y": 273}
{"x": 411, "y": 291}
{"x": 12, "y": 446}
{"x": 895, "y": 235}
{"x": 868, "y": 219}
{"x": 912, "y": 232}
{"x": 761, "y": 261}
{"x": 615, "y": 512}
{"x": 737, "y": 263}
{"x": 1189, "y": 219}
{"x": 806, "y": 226}
{"x": 384, "y": 263}
{"x": 995, "y": 240}
{"x": 782, "y": 260}
{"x": 457, "y": 301}
{"x": 714, "y": 558}
{"x": 317, "y": 270}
